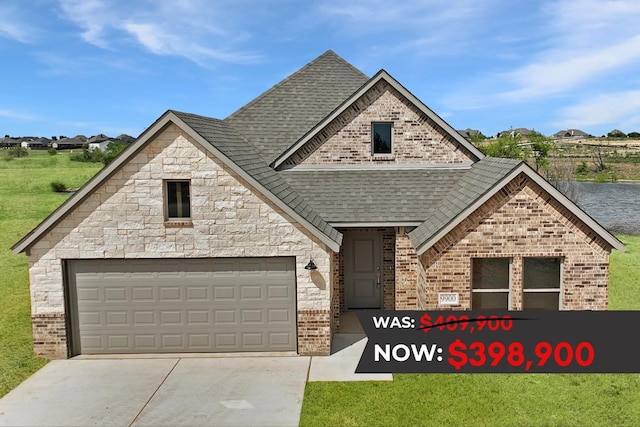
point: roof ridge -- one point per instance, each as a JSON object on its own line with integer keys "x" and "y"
{"x": 327, "y": 54}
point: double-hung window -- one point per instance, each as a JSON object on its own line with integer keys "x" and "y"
{"x": 490, "y": 278}
{"x": 541, "y": 283}
{"x": 178, "y": 205}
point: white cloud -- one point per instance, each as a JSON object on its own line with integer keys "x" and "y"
{"x": 417, "y": 28}
{"x": 16, "y": 115}
{"x": 618, "y": 110}
{"x": 574, "y": 45}
{"x": 13, "y": 27}
{"x": 185, "y": 29}
{"x": 154, "y": 39}
{"x": 562, "y": 74}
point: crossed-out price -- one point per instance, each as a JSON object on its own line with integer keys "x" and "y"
{"x": 478, "y": 354}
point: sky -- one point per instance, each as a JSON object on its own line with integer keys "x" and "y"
{"x": 71, "y": 67}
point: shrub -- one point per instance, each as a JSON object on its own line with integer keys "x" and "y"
{"x": 58, "y": 187}
{"x": 52, "y": 151}
{"x": 582, "y": 168}
{"x": 16, "y": 152}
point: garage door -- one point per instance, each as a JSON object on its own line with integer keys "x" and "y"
{"x": 178, "y": 305}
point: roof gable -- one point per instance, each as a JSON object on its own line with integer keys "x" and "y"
{"x": 218, "y": 138}
{"x": 284, "y": 113}
{"x": 350, "y": 103}
{"x": 484, "y": 180}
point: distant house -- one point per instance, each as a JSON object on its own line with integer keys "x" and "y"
{"x": 570, "y": 133}
{"x": 469, "y": 133}
{"x": 127, "y": 139}
{"x": 102, "y": 145}
{"x": 102, "y": 141}
{"x": 515, "y": 132}
{"x": 65, "y": 143}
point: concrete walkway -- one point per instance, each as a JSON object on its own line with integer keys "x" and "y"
{"x": 258, "y": 391}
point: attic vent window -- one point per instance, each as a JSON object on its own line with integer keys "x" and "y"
{"x": 177, "y": 200}
{"x": 381, "y": 137}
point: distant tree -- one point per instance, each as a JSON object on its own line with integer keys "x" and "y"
{"x": 509, "y": 146}
{"x": 541, "y": 147}
{"x": 113, "y": 149}
{"x": 477, "y": 138}
{"x": 633, "y": 134}
{"x": 599, "y": 156}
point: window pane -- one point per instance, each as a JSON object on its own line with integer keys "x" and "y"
{"x": 381, "y": 138}
{"x": 541, "y": 273}
{"x": 178, "y": 205}
{"x": 490, "y": 301}
{"x": 540, "y": 301}
{"x": 490, "y": 273}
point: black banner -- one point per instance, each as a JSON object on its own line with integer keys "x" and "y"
{"x": 500, "y": 341}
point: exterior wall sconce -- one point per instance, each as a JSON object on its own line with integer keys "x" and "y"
{"x": 311, "y": 265}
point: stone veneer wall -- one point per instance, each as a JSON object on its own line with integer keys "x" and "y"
{"x": 347, "y": 139}
{"x": 520, "y": 221}
{"x": 124, "y": 218}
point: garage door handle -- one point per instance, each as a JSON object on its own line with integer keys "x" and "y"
{"x": 378, "y": 278}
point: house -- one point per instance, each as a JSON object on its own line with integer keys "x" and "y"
{"x": 331, "y": 191}
{"x": 523, "y": 132}
{"x": 570, "y": 133}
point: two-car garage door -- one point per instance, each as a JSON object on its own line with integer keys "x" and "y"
{"x": 182, "y": 305}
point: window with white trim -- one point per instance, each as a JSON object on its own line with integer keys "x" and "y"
{"x": 541, "y": 278}
{"x": 490, "y": 278}
{"x": 177, "y": 200}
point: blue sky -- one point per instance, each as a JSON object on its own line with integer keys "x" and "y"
{"x": 114, "y": 66}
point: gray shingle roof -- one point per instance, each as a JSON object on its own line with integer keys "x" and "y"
{"x": 352, "y": 195}
{"x": 283, "y": 114}
{"x": 482, "y": 177}
{"x": 219, "y": 134}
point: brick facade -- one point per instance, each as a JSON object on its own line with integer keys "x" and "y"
{"x": 347, "y": 139}
{"x": 124, "y": 218}
{"x": 520, "y": 221}
{"x": 406, "y": 272}
{"x": 49, "y": 335}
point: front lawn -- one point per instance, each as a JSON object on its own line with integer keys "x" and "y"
{"x": 26, "y": 199}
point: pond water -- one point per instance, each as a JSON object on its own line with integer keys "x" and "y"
{"x": 616, "y": 205}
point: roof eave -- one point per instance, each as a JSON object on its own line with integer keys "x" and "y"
{"x": 422, "y": 247}
{"x": 168, "y": 117}
{"x": 380, "y": 75}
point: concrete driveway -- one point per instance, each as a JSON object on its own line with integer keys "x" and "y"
{"x": 238, "y": 391}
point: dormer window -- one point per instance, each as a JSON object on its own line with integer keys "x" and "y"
{"x": 381, "y": 137}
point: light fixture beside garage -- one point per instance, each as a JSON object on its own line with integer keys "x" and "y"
{"x": 311, "y": 265}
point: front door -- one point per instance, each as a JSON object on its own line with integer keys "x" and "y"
{"x": 363, "y": 269}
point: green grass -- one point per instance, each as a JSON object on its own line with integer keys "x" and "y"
{"x": 493, "y": 399}
{"x": 25, "y": 199}
{"x": 624, "y": 276}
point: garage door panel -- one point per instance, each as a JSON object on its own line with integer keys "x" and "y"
{"x": 205, "y": 305}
